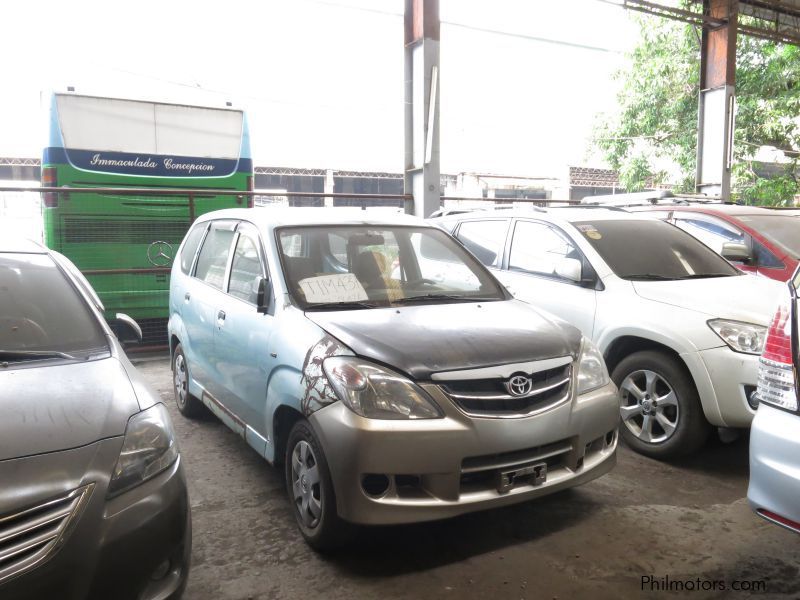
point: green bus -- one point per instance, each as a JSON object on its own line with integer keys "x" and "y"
{"x": 124, "y": 243}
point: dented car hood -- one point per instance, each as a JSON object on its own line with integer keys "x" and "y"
{"x": 424, "y": 339}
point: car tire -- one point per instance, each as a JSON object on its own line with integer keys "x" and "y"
{"x": 309, "y": 485}
{"x": 188, "y": 405}
{"x": 660, "y": 411}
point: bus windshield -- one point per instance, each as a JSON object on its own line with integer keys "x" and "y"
{"x": 124, "y": 242}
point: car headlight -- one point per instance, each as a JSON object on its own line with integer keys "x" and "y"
{"x": 592, "y": 371}
{"x": 740, "y": 337}
{"x": 375, "y": 392}
{"x": 148, "y": 449}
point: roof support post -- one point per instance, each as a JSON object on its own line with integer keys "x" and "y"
{"x": 715, "y": 125}
{"x": 422, "y": 169}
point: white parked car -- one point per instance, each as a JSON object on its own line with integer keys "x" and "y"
{"x": 681, "y": 328}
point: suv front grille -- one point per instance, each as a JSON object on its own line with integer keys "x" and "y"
{"x": 31, "y": 536}
{"x": 489, "y": 397}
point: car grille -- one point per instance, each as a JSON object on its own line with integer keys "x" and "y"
{"x": 30, "y": 537}
{"x": 489, "y": 398}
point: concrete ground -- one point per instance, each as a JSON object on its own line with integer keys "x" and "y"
{"x": 689, "y": 522}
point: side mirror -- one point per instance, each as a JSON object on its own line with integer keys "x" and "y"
{"x": 127, "y": 330}
{"x": 569, "y": 268}
{"x": 736, "y": 252}
{"x": 263, "y": 294}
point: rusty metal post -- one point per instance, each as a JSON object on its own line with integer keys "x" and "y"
{"x": 717, "y": 99}
{"x": 422, "y": 170}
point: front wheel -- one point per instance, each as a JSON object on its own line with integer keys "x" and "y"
{"x": 659, "y": 406}
{"x": 308, "y": 482}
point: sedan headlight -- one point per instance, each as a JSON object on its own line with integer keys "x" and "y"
{"x": 740, "y": 337}
{"x": 592, "y": 371}
{"x": 148, "y": 449}
{"x": 375, "y": 392}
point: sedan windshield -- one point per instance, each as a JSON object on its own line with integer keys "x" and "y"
{"x": 653, "y": 250}
{"x": 357, "y": 266}
{"x": 41, "y": 315}
{"x": 782, "y": 229}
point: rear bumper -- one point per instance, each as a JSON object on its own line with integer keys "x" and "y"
{"x": 439, "y": 468}
{"x": 134, "y": 546}
{"x": 775, "y": 465}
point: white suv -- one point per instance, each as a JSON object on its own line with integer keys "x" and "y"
{"x": 681, "y": 328}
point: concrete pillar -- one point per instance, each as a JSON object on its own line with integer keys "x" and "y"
{"x": 422, "y": 171}
{"x": 717, "y": 98}
{"x": 328, "y": 188}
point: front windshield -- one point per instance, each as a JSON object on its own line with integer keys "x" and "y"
{"x": 782, "y": 229}
{"x": 360, "y": 266}
{"x": 652, "y": 250}
{"x": 40, "y": 312}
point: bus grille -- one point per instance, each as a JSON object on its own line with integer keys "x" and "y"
{"x": 80, "y": 230}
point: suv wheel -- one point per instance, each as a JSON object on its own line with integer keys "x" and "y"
{"x": 308, "y": 482}
{"x": 188, "y": 405}
{"x": 659, "y": 406}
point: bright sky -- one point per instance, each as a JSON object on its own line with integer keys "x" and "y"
{"x": 322, "y": 80}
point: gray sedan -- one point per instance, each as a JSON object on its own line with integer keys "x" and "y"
{"x": 93, "y": 501}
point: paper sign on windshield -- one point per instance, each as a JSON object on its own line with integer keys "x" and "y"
{"x": 343, "y": 287}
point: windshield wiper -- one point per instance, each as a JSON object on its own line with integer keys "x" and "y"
{"x": 650, "y": 276}
{"x": 341, "y": 305}
{"x": 448, "y": 297}
{"x": 704, "y": 275}
{"x": 7, "y": 355}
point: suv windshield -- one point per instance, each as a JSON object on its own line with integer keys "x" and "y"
{"x": 360, "y": 266}
{"x": 41, "y": 314}
{"x": 652, "y": 250}
{"x": 783, "y": 230}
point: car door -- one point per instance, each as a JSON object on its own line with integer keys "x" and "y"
{"x": 536, "y": 254}
{"x": 203, "y": 299}
{"x": 242, "y": 333}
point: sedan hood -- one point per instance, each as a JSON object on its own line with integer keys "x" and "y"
{"x": 425, "y": 339}
{"x": 745, "y": 298}
{"x": 51, "y": 408}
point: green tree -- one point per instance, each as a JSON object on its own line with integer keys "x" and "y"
{"x": 657, "y": 119}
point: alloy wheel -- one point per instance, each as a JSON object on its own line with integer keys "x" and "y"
{"x": 180, "y": 380}
{"x": 649, "y": 406}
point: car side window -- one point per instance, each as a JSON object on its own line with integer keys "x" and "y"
{"x": 214, "y": 255}
{"x": 712, "y": 232}
{"x": 539, "y": 249}
{"x": 485, "y": 239}
{"x": 190, "y": 246}
{"x": 764, "y": 258}
{"x": 246, "y": 270}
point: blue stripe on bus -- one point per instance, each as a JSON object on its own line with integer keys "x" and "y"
{"x": 147, "y": 165}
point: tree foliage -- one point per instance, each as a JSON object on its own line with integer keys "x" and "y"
{"x": 653, "y": 137}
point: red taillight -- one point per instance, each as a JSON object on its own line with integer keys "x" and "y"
{"x": 49, "y": 179}
{"x": 250, "y": 188}
{"x": 778, "y": 347}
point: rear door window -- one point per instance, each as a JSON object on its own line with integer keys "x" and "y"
{"x": 213, "y": 256}
{"x": 485, "y": 239}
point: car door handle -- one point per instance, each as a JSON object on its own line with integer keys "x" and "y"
{"x": 187, "y": 296}
{"x": 221, "y": 317}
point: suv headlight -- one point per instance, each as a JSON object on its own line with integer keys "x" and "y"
{"x": 592, "y": 371}
{"x": 375, "y": 392}
{"x": 740, "y": 337}
{"x": 148, "y": 449}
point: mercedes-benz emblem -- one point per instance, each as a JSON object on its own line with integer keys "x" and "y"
{"x": 519, "y": 385}
{"x": 159, "y": 254}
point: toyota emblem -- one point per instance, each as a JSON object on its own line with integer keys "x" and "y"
{"x": 159, "y": 254}
{"x": 519, "y": 385}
